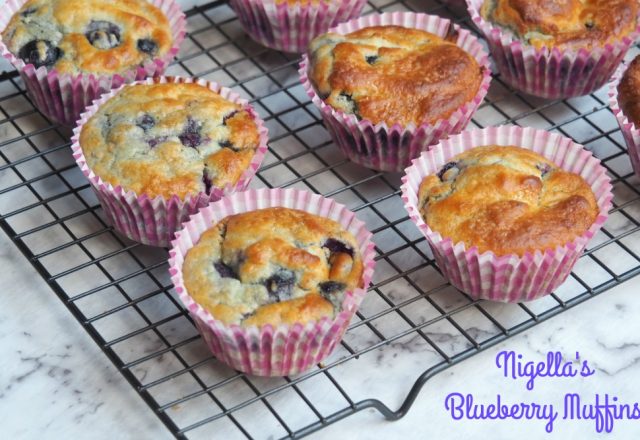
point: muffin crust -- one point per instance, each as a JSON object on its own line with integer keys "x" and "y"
{"x": 508, "y": 200}
{"x": 551, "y": 23}
{"x": 393, "y": 74}
{"x": 97, "y": 36}
{"x": 166, "y": 139}
{"x": 629, "y": 92}
{"x": 272, "y": 266}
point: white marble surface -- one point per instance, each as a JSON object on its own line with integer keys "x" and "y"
{"x": 56, "y": 384}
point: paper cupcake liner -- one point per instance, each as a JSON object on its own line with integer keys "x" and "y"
{"x": 550, "y": 73}
{"x": 629, "y": 130}
{"x": 62, "y": 97}
{"x": 507, "y": 278}
{"x": 153, "y": 221}
{"x": 384, "y": 148}
{"x": 268, "y": 350}
{"x": 290, "y": 28}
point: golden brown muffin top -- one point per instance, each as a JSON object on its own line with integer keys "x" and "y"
{"x": 273, "y": 266}
{"x": 166, "y": 139}
{"x": 629, "y": 92}
{"x": 508, "y": 200}
{"x": 582, "y": 23}
{"x": 90, "y": 36}
{"x": 393, "y": 74}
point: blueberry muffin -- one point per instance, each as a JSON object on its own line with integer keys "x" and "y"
{"x": 393, "y": 74}
{"x": 508, "y": 200}
{"x": 80, "y": 36}
{"x": 165, "y": 139}
{"x": 552, "y": 23}
{"x": 273, "y": 266}
{"x": 629, "y": 92}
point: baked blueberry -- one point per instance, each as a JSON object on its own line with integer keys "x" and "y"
{"x": 331, "y": 287}
{"x": 227, "y": 144}
{"x": 280, "y": 285}
{"x": 207, "y": 182}
{"x": 336, "y": 246}
{"x": 147, "y": 46}
{"x": 153, "y": 142}
{"x": 372, "y": 59}
{"x": 224, "y": 271}
{"x": 40, "y": 53}
{"x": 146, "y": 122}
{"x": 228, "y": 116}
{"x": 103, "y": 34}
{"x": 449, "y": 171}
{"x": 190, "y": 136}
{"x": 544, "y": 169}
{"x": 29, "y": 11}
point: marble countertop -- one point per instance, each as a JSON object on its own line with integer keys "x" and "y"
{"x": 55, "y": 383}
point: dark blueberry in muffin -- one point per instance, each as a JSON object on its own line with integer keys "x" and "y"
{"x": 146, "y": 122}
{"x": 207, "y": 182}
{"x": 225, "y": 271}
{"x": 544, "y": 169}
{"x": 348, "y": 101}
{"x": 228, "y": 144}
{"x": 280, "y": 285}
{"x": 147, "y": 46}
{"x": 331, "y": 287}
{"x": 228, "y": 116}
{"x": 103, "y": 34}
{"x": 190, "y": 137}
{"x": 449, "y": 171}
{"x": 372, "y": 59}
{"x": 28, "y": 12}
{"x": 336, "y": 246}
{"x": 153, "y": 142}
{"x": 40, "y": 53}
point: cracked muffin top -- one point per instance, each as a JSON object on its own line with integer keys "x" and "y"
{"x": 508, "y": 200}
{"x": 393, "y": 74}
{"x": 629, "y": 92}
{"x": 582, "y": 23}
{"x": 80, "y": 36}
{"x": 273, "y": 266}
{"x": 166, "y": 139}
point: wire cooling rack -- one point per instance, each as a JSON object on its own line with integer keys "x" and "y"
{"x": 121, "y": 294}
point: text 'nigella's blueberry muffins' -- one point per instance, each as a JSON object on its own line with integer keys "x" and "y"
{"x": 624, "y": 99}
{"x": 273, "y": 266}
{"x": 507, "y": 200}
{"x": 507, "y": 211}
{"x": 176, "y": 142}
{"x": 390, "y": 85}
{"x": 88, "y": 45}
{"x": 289, "y": 25}
{"x": 557, "y": 49}
{"x": 272, "y": 277}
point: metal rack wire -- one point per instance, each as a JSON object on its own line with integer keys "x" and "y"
{"x": 120, "y": 293}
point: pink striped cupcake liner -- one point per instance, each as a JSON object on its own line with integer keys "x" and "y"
{"x": 507, "y": 278}
{"x": 290, "y": 28}
{"x": 384, "y": 148}
{"x": 268, "y": 350}
{"x": 154, "y": 221}
{"x": 630, "y": 132}
{"x": 550, "y": 73}
{"x": 63, "y": 97}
